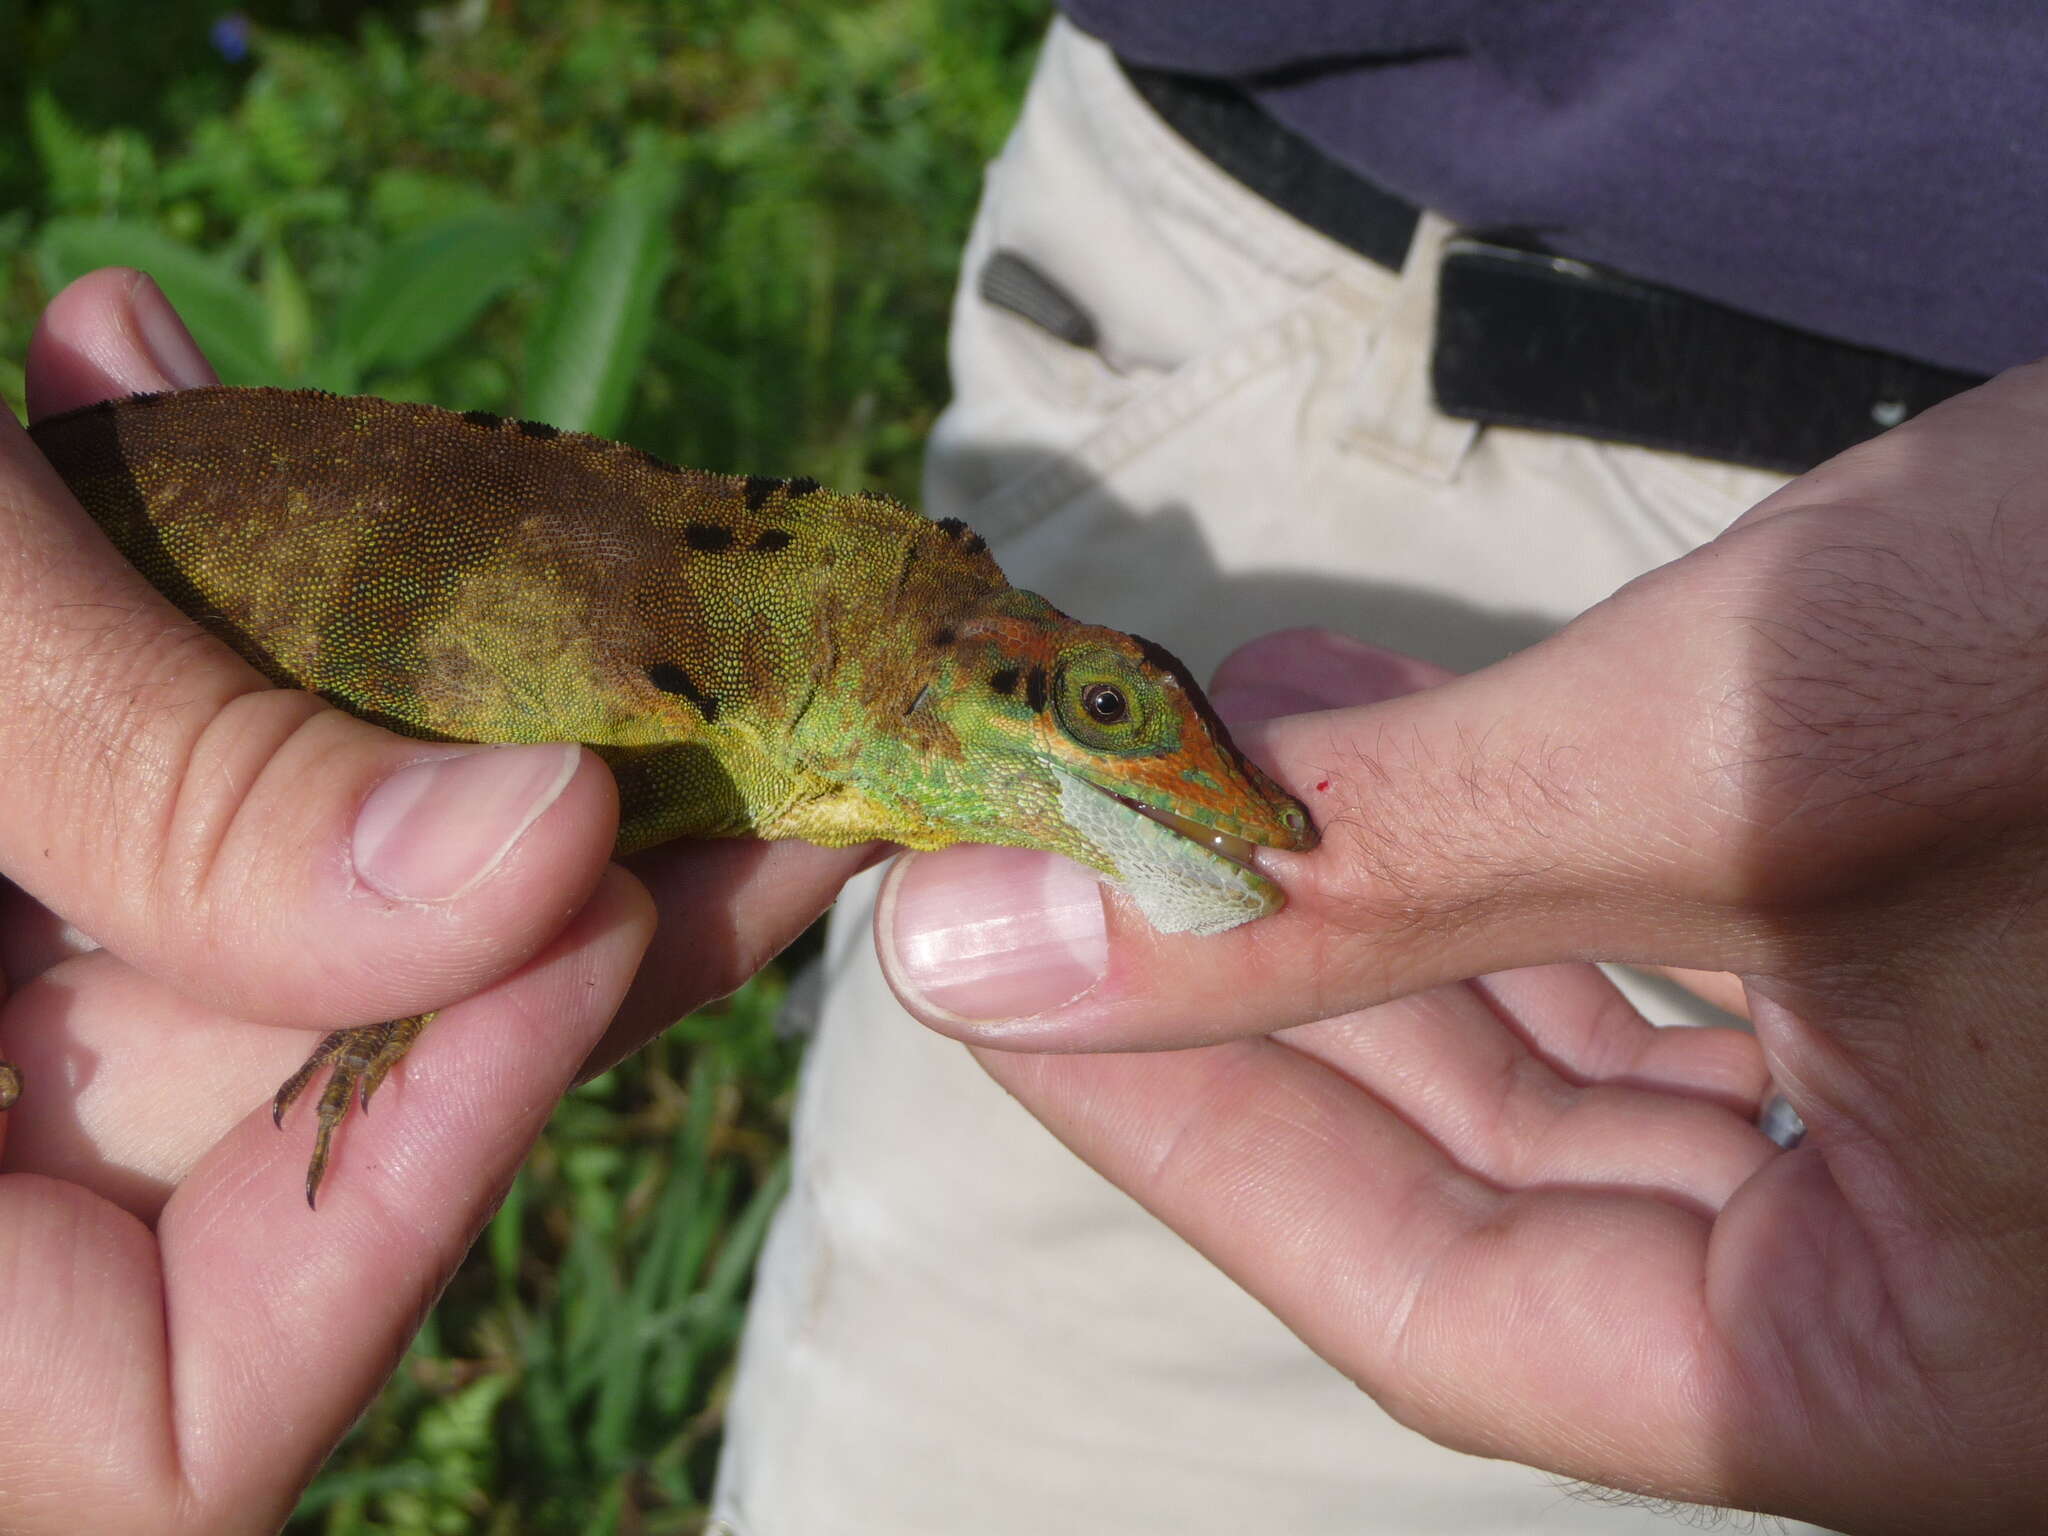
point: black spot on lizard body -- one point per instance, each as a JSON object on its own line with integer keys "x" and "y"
{"x": 758, "y": 489}
{"x": 942, "y": 637}
{"x": 490, "y": 421}
{"x": 771, "y": 540}
{"x": 1034, "y": 690}
{"x": 971, "y": 543}
{"x": 1169, "y": 664}
{"x": 709, "y": 537}
{"x": 670, "y": 678}
{"x": 539, "y": 429}
{"x": 802, "y": 485}
{"x": 1160, "y": 657}
{"x": 1004, "y": 681}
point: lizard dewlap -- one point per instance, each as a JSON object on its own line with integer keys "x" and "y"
{"x": 751, "y": 656}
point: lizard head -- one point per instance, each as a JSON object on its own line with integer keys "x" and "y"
{"x": 1098, "y": 745}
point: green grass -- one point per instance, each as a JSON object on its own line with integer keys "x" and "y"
{"x": 722, "y": 230}
{"x": 571, "y": 1378}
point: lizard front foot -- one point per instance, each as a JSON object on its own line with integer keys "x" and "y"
{"x": 361, "y": 1058}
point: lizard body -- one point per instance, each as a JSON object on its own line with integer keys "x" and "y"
{"x": 750, "y": 656}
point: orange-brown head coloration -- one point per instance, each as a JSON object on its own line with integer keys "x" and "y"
{"x": 1044, "y": 732}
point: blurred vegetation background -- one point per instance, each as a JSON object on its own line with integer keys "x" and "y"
{"x": 722, "y": 230}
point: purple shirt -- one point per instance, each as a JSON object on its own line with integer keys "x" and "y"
{"x": 1875, "y": 170}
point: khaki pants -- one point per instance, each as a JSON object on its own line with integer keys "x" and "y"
{"x": 960, "y": 1330}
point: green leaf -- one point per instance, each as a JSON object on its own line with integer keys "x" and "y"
{"x": 70, "y": 166}
{"x": 427, "y": 289}
{"x": 284, "y": 127}
{"x": 14, "y": 388}
{"x": 505, "y": 1238}
{"x": 226, "y": 315}
{"x": 290, "y": 311}
{"x": 404, "y": 199}
{"x": 594, "y": 331}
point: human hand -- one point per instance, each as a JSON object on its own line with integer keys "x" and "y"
{"x": 181, "y": 1340}
{"x": 1810, "y": 753}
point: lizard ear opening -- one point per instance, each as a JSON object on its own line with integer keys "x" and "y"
{"x": 1104, "y": 702}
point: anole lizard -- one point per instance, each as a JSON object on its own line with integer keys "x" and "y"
{"x": 750, "y": 656}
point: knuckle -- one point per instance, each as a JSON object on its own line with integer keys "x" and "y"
{"x": 232, "y": 786}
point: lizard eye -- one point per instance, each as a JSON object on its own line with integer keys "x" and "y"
{"x": 1105, "y": 703}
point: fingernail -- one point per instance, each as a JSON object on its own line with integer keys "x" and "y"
{"x": 164, "y": 337}
{"x": 432, "y": 831}
{"x": 981, "y": 934}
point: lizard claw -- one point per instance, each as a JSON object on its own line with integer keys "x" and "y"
{"x": 360, "y": 1060}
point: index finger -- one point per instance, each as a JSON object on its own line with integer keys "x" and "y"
{"x": 1755, "y": 759}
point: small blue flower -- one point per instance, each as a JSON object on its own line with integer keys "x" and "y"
{"x": 230, "y": 36}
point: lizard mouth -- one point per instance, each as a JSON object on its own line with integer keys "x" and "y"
{"x": 1223, "y": 844}
{"x": 1185, "y": 877}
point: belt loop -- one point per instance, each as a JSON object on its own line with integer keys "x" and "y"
{"x": 1392, "y": 413}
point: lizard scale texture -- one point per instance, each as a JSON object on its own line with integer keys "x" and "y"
{"x": 751, "y": 655}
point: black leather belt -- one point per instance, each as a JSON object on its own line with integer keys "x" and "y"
{"x": 1529, "y": 338}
